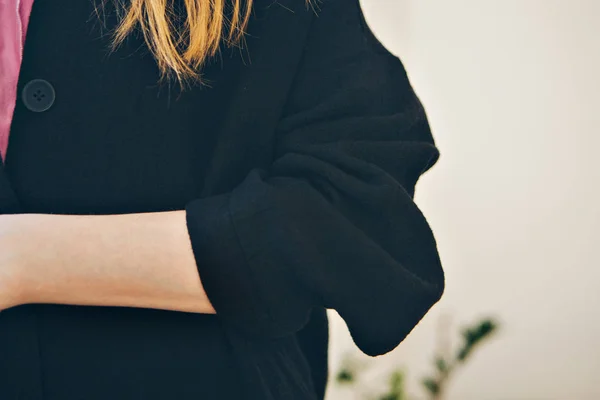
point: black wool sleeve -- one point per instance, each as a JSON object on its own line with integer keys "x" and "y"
{"x": 332, "y": 223}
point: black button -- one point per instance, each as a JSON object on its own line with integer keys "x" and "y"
{"x": 38, "y": 95}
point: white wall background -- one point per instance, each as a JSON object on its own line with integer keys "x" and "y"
{"x": 512, "y": 91}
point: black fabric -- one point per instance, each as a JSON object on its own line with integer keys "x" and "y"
{"x": 296, "y": 168}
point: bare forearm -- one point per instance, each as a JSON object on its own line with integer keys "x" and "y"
{"x": 135, "y": 260}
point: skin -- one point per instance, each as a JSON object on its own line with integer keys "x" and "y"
{"x": 134, "y": 260}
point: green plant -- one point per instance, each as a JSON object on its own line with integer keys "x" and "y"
{"x": 473, "y": 336}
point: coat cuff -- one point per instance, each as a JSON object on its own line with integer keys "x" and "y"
{"x": 222, "y": 264}
{"x": 251, "y": 293}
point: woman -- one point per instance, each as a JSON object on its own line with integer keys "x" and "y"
{"x": 187, "y": 187}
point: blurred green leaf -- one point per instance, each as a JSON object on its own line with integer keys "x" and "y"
{"x": 390, "y": 396}
{"x": 396, "y": 391}
{"x": 441, "y": 364}
{"x": 397, "y": 380}
{"x": 345, "y": 376}
{"x": 475, "y": 335}
{"x": 431, "y": 385}
{"x": 486, "y": 327}
{"x": 463, "y": 353}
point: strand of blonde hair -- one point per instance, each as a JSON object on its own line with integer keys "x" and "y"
{"x": 182, "y": 53}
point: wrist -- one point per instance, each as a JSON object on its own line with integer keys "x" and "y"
{"x": 16, "y": 243}
{"x": 43, "y": 245}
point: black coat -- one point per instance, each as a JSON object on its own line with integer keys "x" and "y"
{"x": 296, "y": 168}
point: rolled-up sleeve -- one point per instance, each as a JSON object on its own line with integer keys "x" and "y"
{"x": 332, "y": 222}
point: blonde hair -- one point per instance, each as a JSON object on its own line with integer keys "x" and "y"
{"x": 182, "y": 49}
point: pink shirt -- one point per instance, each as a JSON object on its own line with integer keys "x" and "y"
{"x": 14, "y": 17}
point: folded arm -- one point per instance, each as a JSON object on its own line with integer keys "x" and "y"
{"x": 331, "y": 224}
